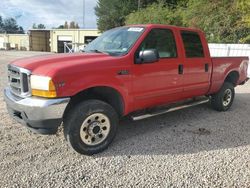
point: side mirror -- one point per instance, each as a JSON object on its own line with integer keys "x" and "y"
{"x": 148, "y": 56}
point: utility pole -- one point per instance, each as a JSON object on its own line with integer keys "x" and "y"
{"x": 83, "y": 16}
{"x": 139, "y": 4}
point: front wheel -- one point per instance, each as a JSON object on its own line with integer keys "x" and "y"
{"x": 90, "y": 126}
{"x": 223, "y": 100}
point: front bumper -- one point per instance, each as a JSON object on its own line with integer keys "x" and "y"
{"x": 41, "y": 115}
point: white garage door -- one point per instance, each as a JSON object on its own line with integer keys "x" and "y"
{"x": 64, "y": 38}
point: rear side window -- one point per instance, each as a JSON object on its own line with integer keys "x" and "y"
{"x": 192, "y": 44}
{"x": 162, "y": 40}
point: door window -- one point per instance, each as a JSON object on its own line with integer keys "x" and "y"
{"x": 192, "y": 44}
{"x": 162, "y": 40}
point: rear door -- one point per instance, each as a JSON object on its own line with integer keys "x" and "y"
{"x": 196, "y": 64}
{"x": 158, "y": 82}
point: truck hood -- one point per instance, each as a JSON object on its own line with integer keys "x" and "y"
{"x": 42, "y": 65}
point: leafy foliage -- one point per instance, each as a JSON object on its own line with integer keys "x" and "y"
{"x": 66, "y": 25}
{"x": 71, "y": 25}
{"x": 224, "y": 21}
{"x": 157, "y": 13}
{"x": 112, "y": 13}
{"x": 60, "y": 27}
{"x": 9, "y": 25}
{"x": 244, "y": 7}
{"x": 39, "y": 26}
{"x": 220, "y": 20}
{"x": 1, "y": 25}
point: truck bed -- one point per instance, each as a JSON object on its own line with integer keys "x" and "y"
{"x": 222, "y": 66}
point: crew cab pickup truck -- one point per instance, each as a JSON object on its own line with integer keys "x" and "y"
{"x": 137, "y": 71}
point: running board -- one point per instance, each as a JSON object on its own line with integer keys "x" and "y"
{"x": 195, "y": 103}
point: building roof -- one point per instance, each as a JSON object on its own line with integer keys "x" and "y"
{"x": 63, "y": 29}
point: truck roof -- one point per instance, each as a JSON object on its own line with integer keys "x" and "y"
{"x": 168, "y": 26}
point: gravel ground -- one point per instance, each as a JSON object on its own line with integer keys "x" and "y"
{"x": 195, "y": 147}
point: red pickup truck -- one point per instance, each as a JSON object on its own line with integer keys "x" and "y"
{"x": 138, "y": 70}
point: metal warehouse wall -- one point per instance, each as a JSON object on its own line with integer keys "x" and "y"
{"x": 14, "y": 41}
{"x": 58, "y": 36}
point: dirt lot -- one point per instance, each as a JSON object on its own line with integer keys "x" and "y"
{"x": 195, "y": 147}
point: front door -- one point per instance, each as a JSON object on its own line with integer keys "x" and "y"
{"x": 157, "y": 82}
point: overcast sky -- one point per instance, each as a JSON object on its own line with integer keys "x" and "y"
{"x": 52, "y": 13}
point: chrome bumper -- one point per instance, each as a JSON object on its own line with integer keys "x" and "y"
{"x": 35, "y": 112}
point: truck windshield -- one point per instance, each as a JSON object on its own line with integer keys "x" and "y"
{"x": 116, "y": 41}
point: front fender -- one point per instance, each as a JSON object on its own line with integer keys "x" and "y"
{"x": 76, "y": 84}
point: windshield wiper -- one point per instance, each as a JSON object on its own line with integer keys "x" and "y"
{"x": 98, "y": 51}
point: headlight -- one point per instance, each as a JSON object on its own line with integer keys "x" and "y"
{"x": 42, "y": 86}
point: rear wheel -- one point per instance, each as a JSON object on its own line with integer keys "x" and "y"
{"x": 223, "y": 100}
{"x": 90, "y": 126}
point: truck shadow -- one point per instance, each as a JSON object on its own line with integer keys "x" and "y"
{"x": 186, "y": 131}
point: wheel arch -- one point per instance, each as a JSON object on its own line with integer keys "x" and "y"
{"x": 107, "y": 94}
{"x": 232, "y": 77}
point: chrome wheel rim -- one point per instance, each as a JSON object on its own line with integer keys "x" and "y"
{"x": 227, "y": 97}
{"x": 95, "y": 129}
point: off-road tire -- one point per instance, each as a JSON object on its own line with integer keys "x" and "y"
{"x": 219, "y": 101}
{"x": 75, "y": 118}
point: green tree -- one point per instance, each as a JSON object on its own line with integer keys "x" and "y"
{"x": 219, "y": 19}
{"x": 10, "y": 26}
{"x": 112, "y": 13}
{"x": 1, "y": 25}
{"x": 222, "y": 21}
{"x": 244, "y": 7}
{"x": 72, "y": 25}
{"x": 41, "y": 26}
{"x": 66, "y": 25}
{"x": 20, "y": 30}
{"x": 157, "y": 13}
{"x": 60, "y": 27}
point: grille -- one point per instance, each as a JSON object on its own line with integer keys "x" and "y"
{"x": 19, "y": 81}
